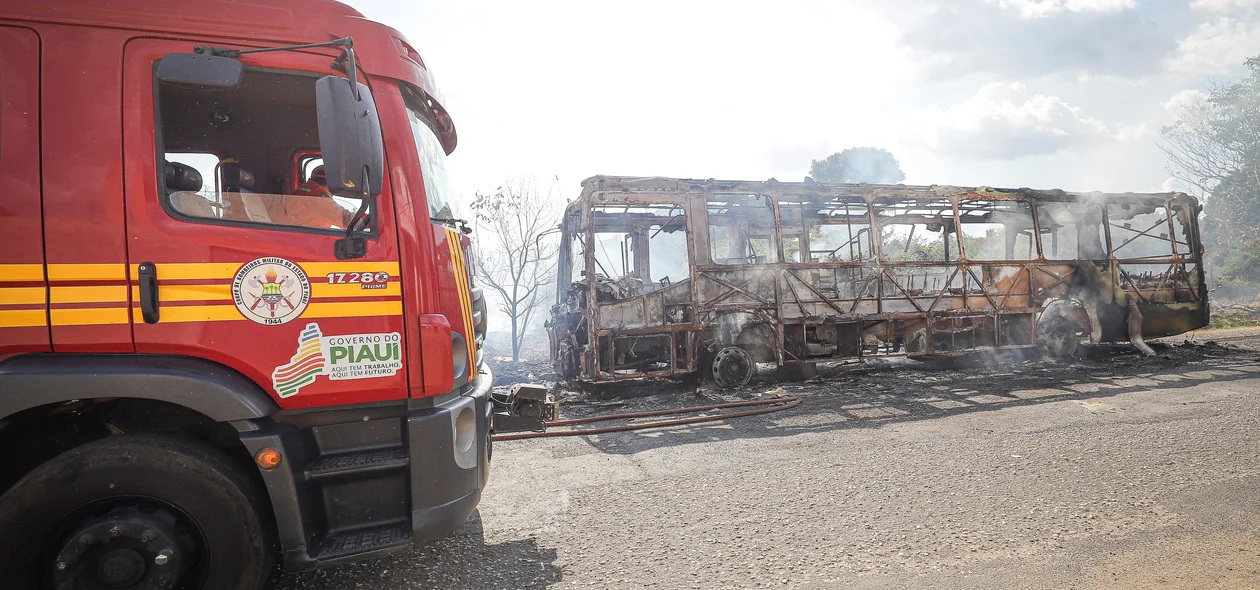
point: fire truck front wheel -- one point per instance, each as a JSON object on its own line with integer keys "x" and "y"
{"x": 135, "y": 511}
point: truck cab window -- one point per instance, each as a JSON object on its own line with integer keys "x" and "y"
{"x": 432, "y": 156}
{"x": 241, "y": 144}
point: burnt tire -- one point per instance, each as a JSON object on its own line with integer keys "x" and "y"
{"x": 731, "y": 367}
{"x": 1056, "y": 335}
{"x": 136, "y": 511}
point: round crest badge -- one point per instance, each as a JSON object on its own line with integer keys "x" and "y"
{"x": 271, "y": 291}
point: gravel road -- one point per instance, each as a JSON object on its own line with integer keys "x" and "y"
{"x": 1112, "y": 472}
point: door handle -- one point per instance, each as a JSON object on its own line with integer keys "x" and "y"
{"x": 148, "y": 292}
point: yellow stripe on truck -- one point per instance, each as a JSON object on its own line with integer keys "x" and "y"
{"x": 89, "y": 316}
{"x": 465, "y": 296}
{"x": 228, "y": 313}
{"x": 192, "y": 313}
{"x": 13, "y": 273}
{"x": 351, "y": 309}
{"x": 87, "y": 272}
{"x": 189, "y": 293}
{"x": 106, "y": 294}
{"x": 23, "y": 296}
{"x": 224, "y": 292}
{"x": 193, "y": 270}
{"x": 23, "y": 318}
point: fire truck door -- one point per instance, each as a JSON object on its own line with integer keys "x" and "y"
{"x": 229, "y": 262}
{"x": 23, "y": 288}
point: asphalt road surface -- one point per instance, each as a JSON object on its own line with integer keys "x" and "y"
{"x": 1111, "y": 472}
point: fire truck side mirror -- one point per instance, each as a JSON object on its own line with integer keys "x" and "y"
{"x": 200, "y": 72}
{"x": 349, "y": 138}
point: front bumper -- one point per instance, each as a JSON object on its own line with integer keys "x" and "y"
{"x": 450, "y": 459}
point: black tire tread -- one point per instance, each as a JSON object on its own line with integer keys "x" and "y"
{"x": 196, "y": 466}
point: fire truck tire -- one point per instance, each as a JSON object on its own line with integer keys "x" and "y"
{"x": 136, "y": 511}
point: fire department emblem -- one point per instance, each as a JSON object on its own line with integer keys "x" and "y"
{"x": 271, "y": 291}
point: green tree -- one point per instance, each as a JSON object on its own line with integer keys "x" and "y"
{"x": 1215, "y": 148}
{"x": 859, "y": 164}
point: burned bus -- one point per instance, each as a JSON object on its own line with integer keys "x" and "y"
{"x": 662, "y": 276}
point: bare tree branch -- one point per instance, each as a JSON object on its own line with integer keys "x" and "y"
{"x": 517, "y": 256}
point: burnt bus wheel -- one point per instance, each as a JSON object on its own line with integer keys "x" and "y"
{"x": 1056, "y": 333}
{"x": 133, "y": 512}
{"x": 731, "y": 366}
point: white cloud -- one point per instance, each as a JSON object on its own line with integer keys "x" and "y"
{"x": 1044, "y": 8}
{"x": 1216, "y": 46}
{"x": 1006, "y": 122}
{"x": 1176, "y": 106}
{"x": 1222, "y": 5}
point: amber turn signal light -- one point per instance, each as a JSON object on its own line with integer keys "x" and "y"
{"x": 268, "y": 459}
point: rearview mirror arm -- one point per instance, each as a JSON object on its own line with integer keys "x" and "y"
{"x": 363, "y": 206}
{"x": 345, "y": 63}
{"x": 236, "y": 53}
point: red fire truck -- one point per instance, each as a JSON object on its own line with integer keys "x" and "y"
{"x": 237, "y": 317}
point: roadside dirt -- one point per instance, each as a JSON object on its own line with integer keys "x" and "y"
{"x": 1110, "y": 471}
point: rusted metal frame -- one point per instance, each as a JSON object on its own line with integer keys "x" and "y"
{"x": 620, "y": 186}
{"x": 1172, "y": 229}
{"x": 1189, "y": 285}
{"x": 774, "y": 197}
{"x": 689, "y": 222}
{"x": 1163, "y": 279}
{"x": 815, "y": 292}
{"x": 796, "y": 295}
{"x": 673, "y": 352}
{"x": 1058, "y": 279}
{"x": 983, "y": 291}
{"x": 731, "y": 286}
{"x": 946, "y": 289}
{"x": 962, "y": 250}
{"x": 614, "y": 376}
{"x": 1036, "y": 219}
{"x": 858, "y": 297}
{"x": 1152, "y": 259}
{"x": 693, "y": 362}
{"x": 1144, "y": 233}
{"x": 650, "y": 330}
{"x": 591, "y": 312}
{"x": 718, "y": 299}
{"x": 903, "y": 291}
{"x": 778, "y": 306}
{"x": 1106, "y": 224}
{"x": 877, "y": 248}
{"x": 806, "y": 246}
{"x": 1014, "y": 283}
{"x": 1124, "y": 275}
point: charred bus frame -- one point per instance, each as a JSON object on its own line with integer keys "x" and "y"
{"x": 718, "y": 275}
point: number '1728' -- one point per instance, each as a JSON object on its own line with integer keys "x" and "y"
{"x": 364, "y": 278}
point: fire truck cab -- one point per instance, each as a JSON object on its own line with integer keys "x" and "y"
{"x": 237, "y": 319}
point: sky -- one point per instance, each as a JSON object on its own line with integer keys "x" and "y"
{"x": 1012, "y": 93}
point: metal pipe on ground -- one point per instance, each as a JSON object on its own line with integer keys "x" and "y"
{"x": 775, "y": 404}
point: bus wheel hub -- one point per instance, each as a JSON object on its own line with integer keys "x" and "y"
{"x": 732, "y": 367}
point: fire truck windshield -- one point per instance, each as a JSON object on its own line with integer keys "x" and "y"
{"x": 432, "y": 162}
